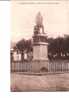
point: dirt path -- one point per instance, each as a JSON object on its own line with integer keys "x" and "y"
{"x": 48, "y": 82}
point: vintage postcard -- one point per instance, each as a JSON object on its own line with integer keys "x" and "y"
{"x": 39, "y": 53}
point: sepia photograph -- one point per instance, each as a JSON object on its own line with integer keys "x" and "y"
{"x": 39, "y": 46}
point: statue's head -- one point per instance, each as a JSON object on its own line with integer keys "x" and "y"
{"x": 39, "y": 19}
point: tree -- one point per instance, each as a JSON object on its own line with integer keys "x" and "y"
{"x": 58, "y": 46}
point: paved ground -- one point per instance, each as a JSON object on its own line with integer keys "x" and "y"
{"x": 45, "y": 82}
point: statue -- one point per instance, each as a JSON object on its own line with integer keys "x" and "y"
{"x": 39, "y": 19}
{"x": 40, "y": 45}
{"x": 39, "y": 28}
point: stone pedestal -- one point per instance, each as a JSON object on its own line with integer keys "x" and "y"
{"x": 40, "y": 53}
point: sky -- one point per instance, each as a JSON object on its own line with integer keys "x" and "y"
{"x": 23, "y": 14}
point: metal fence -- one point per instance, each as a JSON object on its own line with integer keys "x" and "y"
{"x": 61, "y": 66}
{"x": 53, "y": 66}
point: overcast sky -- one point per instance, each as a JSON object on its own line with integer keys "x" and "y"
{"x": 55, "y": 19}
